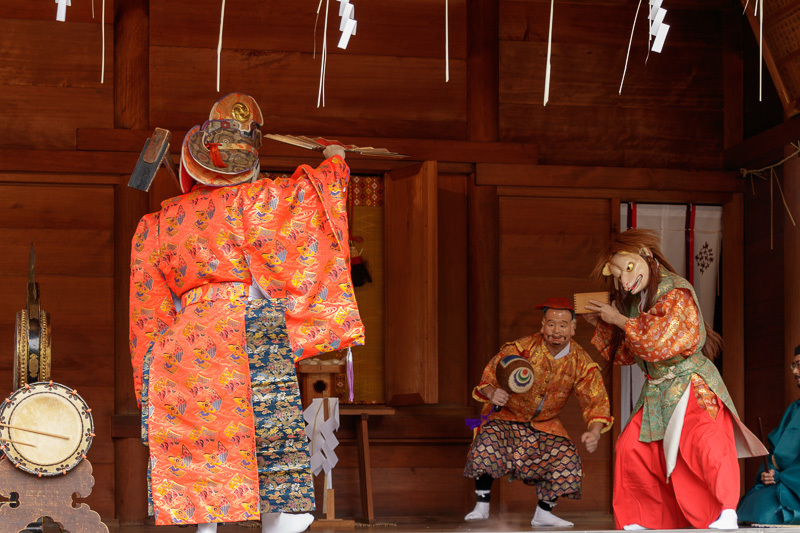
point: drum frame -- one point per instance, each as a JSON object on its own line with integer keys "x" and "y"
{"x": 18, "y": 458}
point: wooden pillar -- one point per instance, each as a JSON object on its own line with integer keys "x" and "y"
{"x": 483, "y": 69}
{"x": 791, "y": 271}
{"x": 131, "y": 111}
{"x": 483, "y": 278}
{"x": 733, "y": 91}
{"x": 733, "y": 297}
{"x": 483, "y": 29}
{"x": 131, "y": 64}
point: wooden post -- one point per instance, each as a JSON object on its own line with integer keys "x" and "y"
{"x": 131, "y": 110}
{"x": 733, "y": 296}
{"x": 131, "y": 64}
{"x": 130, "y": 457}
{"x": 483, "y": 69}
{"x": 791, "y": 271}
{"x": 483, "y": 278}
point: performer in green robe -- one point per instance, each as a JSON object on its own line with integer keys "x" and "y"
{"x": 775, "y": 498}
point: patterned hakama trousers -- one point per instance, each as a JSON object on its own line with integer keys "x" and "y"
{"x": 549, "y": 462}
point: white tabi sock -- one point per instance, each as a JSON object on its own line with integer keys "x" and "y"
{"x": 633, "y": 527}
{"x": 481, "y": 512}
{"x": 285, "y": 522}
{"x": 727, "y": 520}
{"x": 207, "y": 528}
{"x": 542, "y": 518}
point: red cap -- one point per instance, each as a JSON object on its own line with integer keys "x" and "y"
{"x": 558, "y": 302}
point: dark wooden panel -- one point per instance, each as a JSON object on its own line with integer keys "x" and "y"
{"x": 453, "y": 294}
{"x": 590, "y": 75}
{"x": 609, "y": 23}
{"x": 70, "y": 56}
{"x": 552, "y": 216}
{"x": 40, "y": 207}
{"x": 422, "y": 105}
{"x": 583, "y": 178}
{"x": 50, "y": 116}
{"x": 83, "y": 252}
{"x": 617, "y": 136}
{"x": 541, "y": 255}
{"x": 70, "y": 300}
{"x": 412, "y": 28}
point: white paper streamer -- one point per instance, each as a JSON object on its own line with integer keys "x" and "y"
{"x": 320, "y": 433}
{"x": 549, "y": 49}
{"x": 324, "y": 58}
{"x": 446, "y": 42}
{"x": 103, "y": 46}
{"x": 658, "y": 29}
{"x": 61, "y": 10}
{"x": 348, "y": 24}
{"x": 630, "y": 41}
{"x": 219, "y": 44}
{"x": 760, "y": 44}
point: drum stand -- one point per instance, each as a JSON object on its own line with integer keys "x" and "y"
{"x": 35, "y": 497}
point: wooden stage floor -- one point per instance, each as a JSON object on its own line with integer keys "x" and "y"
{"x": 507, "y": 524}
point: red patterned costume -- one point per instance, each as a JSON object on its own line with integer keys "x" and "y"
{"x": 676, "y": 460}
{"x": 210, "y": 249}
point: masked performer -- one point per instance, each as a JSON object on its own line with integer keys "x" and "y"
{"x": 775, "y": 498}
{"x": 676, "y": 460}
{"x": 525, "y": 439}
{"x": 231, "y": 283}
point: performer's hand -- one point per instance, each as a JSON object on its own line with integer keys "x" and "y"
{"x": 590, "y": 439}
{"x": 608, "y": 313}
{"x": 499, "y": 397}
{"x": 591, "y": 318}
{"x": 332, "y": 150}
{"x": 768, "y": 477}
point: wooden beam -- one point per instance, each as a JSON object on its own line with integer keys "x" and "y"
{"x": 621, "y": 178}
{"x": 764, "y": 148}
{"x": 121, "y": 140}
{"x": 628, "y": 195}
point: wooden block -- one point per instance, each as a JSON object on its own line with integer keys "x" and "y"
{"x": 582, "y": 298}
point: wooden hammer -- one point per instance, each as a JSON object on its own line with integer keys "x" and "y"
{"x": 154, "y": 154}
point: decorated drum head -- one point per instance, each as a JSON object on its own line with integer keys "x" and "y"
{"x": 514, "y": 374}
{"x": 45, "y": 428}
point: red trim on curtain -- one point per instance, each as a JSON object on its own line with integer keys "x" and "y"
{"x": 690, "y": 214}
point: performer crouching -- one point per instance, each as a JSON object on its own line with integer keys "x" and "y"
{"x": 525, "y": 439}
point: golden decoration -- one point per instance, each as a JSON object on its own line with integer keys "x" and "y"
{"x": 240, "y": 112}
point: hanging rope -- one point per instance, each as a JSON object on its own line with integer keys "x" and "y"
{"x": 773, "y": 179}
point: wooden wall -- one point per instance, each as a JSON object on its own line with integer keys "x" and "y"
{"x": 70, "y": 142}
{"x": 71, "y": 228}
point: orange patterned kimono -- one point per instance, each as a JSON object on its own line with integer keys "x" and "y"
{"x": 553, "y": 382}
{"x": 217, "y": 275}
